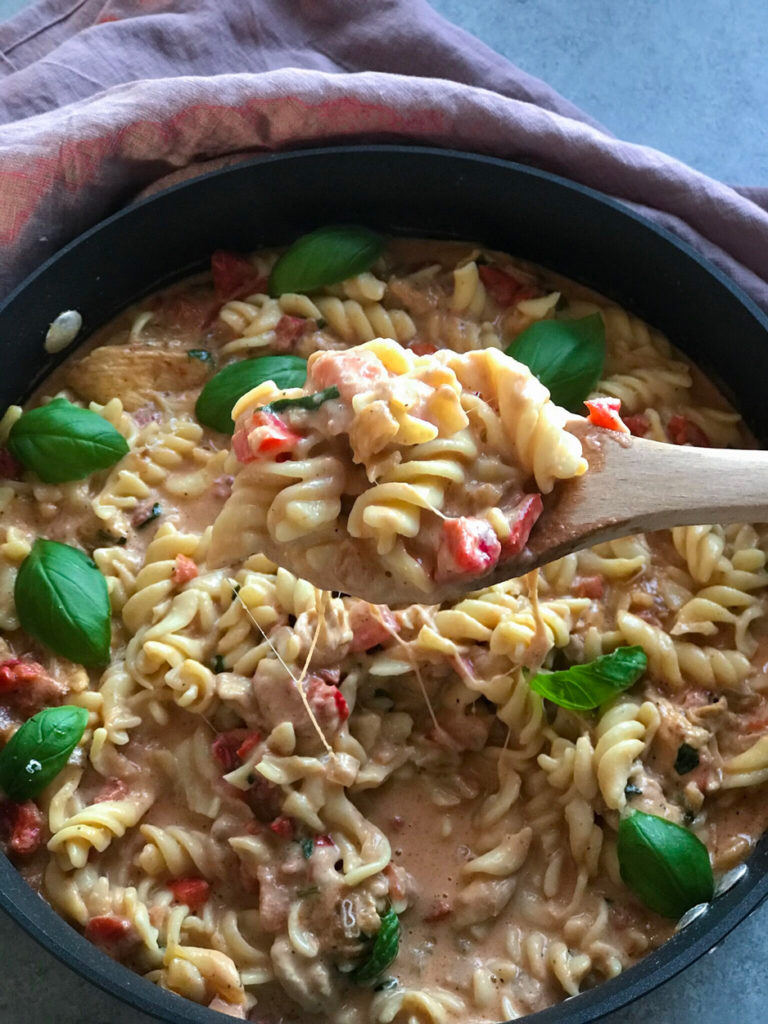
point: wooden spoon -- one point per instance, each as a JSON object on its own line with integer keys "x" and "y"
{"x": 632, "y": 486}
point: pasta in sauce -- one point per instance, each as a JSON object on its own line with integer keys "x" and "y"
{"x": 270, "y": 772}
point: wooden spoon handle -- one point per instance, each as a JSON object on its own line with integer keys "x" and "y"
{"x": 635, "y": 485}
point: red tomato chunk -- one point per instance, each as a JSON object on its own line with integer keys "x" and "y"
{"x": 234, "y": 276}
{"x": 589, "y": 586}
{"x": 226, "y": 746}
{"x": 604, "y": 412}
{"x": 184, "y": 570}
{"x": 469, "y": 546}
{"x": 681, "y": 430}
{"x": 327, "y": 702}
{"x": 638, "y": 424}
{"x": 289, "y": 329}
{"x": 265, "y": 437}
{"x": 522, "y": 521}
{"x": 108, "y": 929}
{"x": 282, "y": 827}
{"x": 22, "y": 826}
{"x": 194, "y": 892}
{"x": 371, "y": 625}
{"x": 423, "y": 348}
{"x": 503, "y": 287}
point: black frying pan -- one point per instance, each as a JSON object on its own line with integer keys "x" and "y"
{"x": 408, "y": 191}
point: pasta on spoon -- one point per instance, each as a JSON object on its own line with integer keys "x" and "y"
{"x": 391, "y": 475}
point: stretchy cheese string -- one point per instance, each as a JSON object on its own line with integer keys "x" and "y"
{"x": 297, "y": 682}
{"x": 414, "y": 666}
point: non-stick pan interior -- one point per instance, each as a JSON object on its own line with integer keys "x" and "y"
{"x": 406, "y": 191}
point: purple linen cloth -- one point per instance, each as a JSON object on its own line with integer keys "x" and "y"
{"x": 99, "y": 101}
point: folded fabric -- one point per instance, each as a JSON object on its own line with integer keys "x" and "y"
{"x": 100, "y": 100}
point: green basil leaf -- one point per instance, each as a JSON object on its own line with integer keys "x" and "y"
{"x": 310, "y": 402}
{"x": 566, "y": 355}
{"x": 62, "y": 601}
{"x": 664, "y": 864}
{"x": 214, "y": 406}
{"x": 325, "y": 256}
{"x": 61, "y": 442}
{"x": 583, "y": 687}
{"x": 307, "y": 847}
{"x": 383, "y": 953}
{"x": 37, "y": 752}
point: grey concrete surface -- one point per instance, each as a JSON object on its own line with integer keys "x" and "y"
{"x": 686, "y": 76}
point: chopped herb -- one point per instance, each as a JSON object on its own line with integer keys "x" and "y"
{"x": 305, "y": 402}
{"x": 321, "y": 323}
{"x": 154, "y": 513}
{"x": 218, "y": 663}
{"x": 202, "y": 354}
{"x": 631, "y": 790}
{"x": 307, "y": 846}
{"x": 310, "y": 890}
{"x": 687, "y": 759}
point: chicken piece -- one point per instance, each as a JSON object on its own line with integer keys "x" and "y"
{"x": 134, "y": 372}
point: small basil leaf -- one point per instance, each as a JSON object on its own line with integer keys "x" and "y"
{"x": 566, "y": 355}
{"x": 37, "y": 752}
{"x": 664, "y": 864}
{"x": 383, "y": 953}
{"x": 62, "y": 601}
{"x": 687, "y": 759}
{"x": 305, "y": 402}
{"x": 307, "y": 847}
{"x": 61, "y": 442}
{"x": 214, "y": 406}
{"x": 583, "y": 687}
{"x": 325, "y": 256}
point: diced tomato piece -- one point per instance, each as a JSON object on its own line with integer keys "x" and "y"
{"x": 324, "y": 840}
{"x": 250, "y": 741}
{"x": 184, "y": 570}
{"x": 341, "y": 705}
{"x": 522, "y": 521}
{"x": 194, "y": 892}
{"x": 327, "y": 702}
{"x": 224, "y": 748}
{"x": 108, "y": 929}
{"x": 638, "y": 424}
{"x": 604, "y": 412}
{"x": 756, "y": 725}
{"x": 10, "y": 468}
{"x": 283, "y": 827}
{"x": 113, "y": 789}
{"x": 25, "y": 824}
{"x": 289, "y": 329}
{"x": 681, "y": 430}
{"x": 469, "y": 546}
{"x": 265, "y": 437}
{"x": 350, "y": 371}
{"x": 15, "y": 672}
{"x": 234, "y": 276}
{"x": 504, "y": 288}
{"x": 371, "y": 625}
{"x": 589, "y": 586}
{"x": 423, "y": 348}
